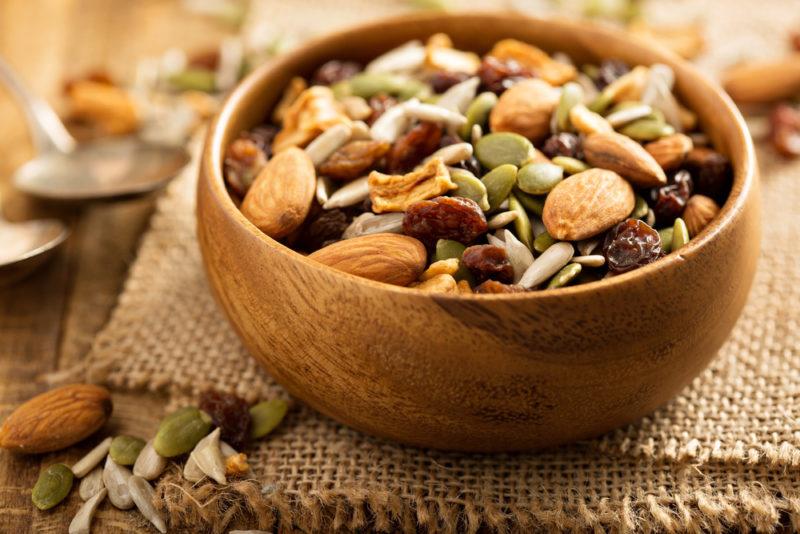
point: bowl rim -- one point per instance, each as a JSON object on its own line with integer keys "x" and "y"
{"x": 744, "y": 174}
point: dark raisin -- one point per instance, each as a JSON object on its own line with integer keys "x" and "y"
{"x": 243, "y": 161}
{"x": 563, "y": 144}
{"x": 335, "y": 71}
{"x": 448, "y": 139}
{"x": 671, "y": 199}
{"x": 610, "y": 70}
{"x": 353, "y": 159}
{"x": 421, "y": 141}
{"x": 488, "y": 262}
{"x": 230, "y": 413}
{"x": 498, "y": 75}
{"x": 442, "y": 80}
{"x": 493, "y": 287}
{"x": 630, "y": 245}
{"x": 263, "y": 136}
{"x": 325, "y": 227}
{"x": 711, "y": 172}
{"x": 456, "y": 218}
{"x": 785, "y": 130}
{"x": 379, "y": 104}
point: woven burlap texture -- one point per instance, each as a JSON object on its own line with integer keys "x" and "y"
{"x": 725, "y": 453}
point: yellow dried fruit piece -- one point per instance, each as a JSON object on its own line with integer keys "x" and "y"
{"x": 537, "y": 60}
{"x": 464, "y": 288}
{"x": 314, "y": 111}
{"x": 296, "y": 86}
{"x": 441, "y": 283}
{"x": 395, "y": 192}
{"x": 236, "y": 465}
{"x": 440, "y": 55}
{"x": 448, "y": 266}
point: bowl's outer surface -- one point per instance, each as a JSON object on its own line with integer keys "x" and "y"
{"x": 480, "y": 373}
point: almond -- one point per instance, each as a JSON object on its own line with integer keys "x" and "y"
{"x": 280, "y": 198}
{"x": 670, "y": 151}
{"x": 525, "y": 108}
{"x": 624, "y": 156}
{"x": 586, "y": 204}
{"x": 764, "y": 82}
{"x": 698, "y": 213}
{"x": 56, "y": 419}
{"x": 389, "y": 258}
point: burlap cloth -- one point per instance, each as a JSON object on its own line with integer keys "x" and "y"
{"x": 722, "y": 454}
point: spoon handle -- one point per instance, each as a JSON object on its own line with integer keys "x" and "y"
{"x": 47, "y": 130}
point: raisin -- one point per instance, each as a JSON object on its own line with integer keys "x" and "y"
{"x": 610, "y": 70}
{"x": 498, "y": 75}
{"x": 493, "y": 286}
{"x": 379, "y": 104}
{"x": 335, "y": 71}
{"x": 442, "y": 80}
{"x": 243, "y": 161}
{"x": 630, "y": 245}
{"x": 671, "y": 199}
{"x": 422, "y": 140}
{"x": 263, "y": 136}
{"x": 230, "y": 413}
{"x": 563, "y": 144}
{"x": 456, "y": 218}
{"x": 711, "y": 171}
{"x": 785, "y": 130}
{"x": 353, "y": 159}
{"x": 324, "y": 228}
{"x": 488, "y": 262}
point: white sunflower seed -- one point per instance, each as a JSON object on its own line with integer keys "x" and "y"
{"x": 149, "y": 464}
{"x": 451, "y": 154}
{"x": 406, "y": 57}
{"x": 519, "y": 255}
{"x": 82, "y": 522}
{"x": 503, "y": 205}
{"x": 434, "y": 113}
{"x": 594, "y": 260}
{"x": 476, "y": 134}
{"x": 458, "y": 97}
{"x": 357, "y": 108}
{"x": 328, "y": 142}
{"x": 624, "y": 116}
{"x": 494, "y": 240}
{"x": 360, "y": 131}
{"x": 349, "y": 194}
{"x": 91, "y": 484}
{"x": 590, "y": 91}
{"x": 208, "y": 457}
{"x": 650, "y": 219}
{"x": 227, "y": 450}
{"x": 501, "y": 219}
{"x": 92, "y": 458}
{"x": 537, "y": 226}
{"x": 587, "y": 246}
{"x": 115, "y": 477}
{"x": 142, "y": 493}
{"x": 192, "y": 472}
{"x": 548, "y": 264}
{"x": 658, "y": 94}
{"x": 370, "y": 223}
{"x": 324, "y": 188}
{"x": 393, "y": 123}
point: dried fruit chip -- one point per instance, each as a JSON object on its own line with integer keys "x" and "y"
{"x": 397, "y": 192}
{"x": 630, "y": 245}
{"x": 230, "y": 413}
{"x": 456, "y": 218}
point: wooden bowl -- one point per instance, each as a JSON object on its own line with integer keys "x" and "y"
{"x": 482, "y": 372}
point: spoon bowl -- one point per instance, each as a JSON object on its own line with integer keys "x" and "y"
{"x": 27, "y": 245}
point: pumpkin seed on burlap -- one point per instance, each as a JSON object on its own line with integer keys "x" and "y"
{"x": 52, "y": 487}
{"x": 180, "y": 431}
{"x": 125, "y": 449}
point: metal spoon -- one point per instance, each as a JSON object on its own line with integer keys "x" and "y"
{"x": 64, "y": 170}
{"x": 26, "y": 245}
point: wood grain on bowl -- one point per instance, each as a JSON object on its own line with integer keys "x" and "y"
{"x": 480, "y": 372}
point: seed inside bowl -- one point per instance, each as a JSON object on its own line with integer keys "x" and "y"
{"x": 504, "y": 156}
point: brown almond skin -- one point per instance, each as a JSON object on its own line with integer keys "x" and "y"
{"x": 56, "y": 419}
{"x": 280, "y": 198}
{"x": 621, "y": 154}
{"x": 586, "y": 204}
{"x": 670, "y": 151}
{"x": 390, "y": 258}
{"x": 525, "y": 108}
{"x": 699, "y": 211}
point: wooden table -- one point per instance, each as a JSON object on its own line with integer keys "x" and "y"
{"x": 48, "y": 321}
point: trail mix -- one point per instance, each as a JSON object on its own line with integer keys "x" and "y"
{"x": 208, "y": 436}
{"x": 435, "y": 168}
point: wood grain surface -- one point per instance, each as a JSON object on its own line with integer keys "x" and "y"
{"x": 48, "y": 321}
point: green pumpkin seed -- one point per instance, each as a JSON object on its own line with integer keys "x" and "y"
{"x": 52, "y": 487}
{"x": 565, "y": 275}
{"x": 539, "y": 178}
{"x": 503, "y": 148}
{"x": 571, "y": 96}
{"x": 446, "y": 249}
{"x": 542, "y": 242}
{"x": 601, "y": 102}
{"x": 265, "y": 416}
{"x": 499, "y": 182}
{"x": 369, "y": 84}
{"x": 531, "y": 203}
{"x": 194, "y": 80}
{"x": 680, "y": 234}
{"x": 666, "y": 239}
{"x": 180, "y": 431}
{"x": 469, "y": 187}
{"x": 647, "y": 130}
{"x": 640, "y": 208}
{"x": 570, "y": 165}
{"x": 125, "y": 449}
{"x": 478, "y": 113}
{"x": 522, "y": 224}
